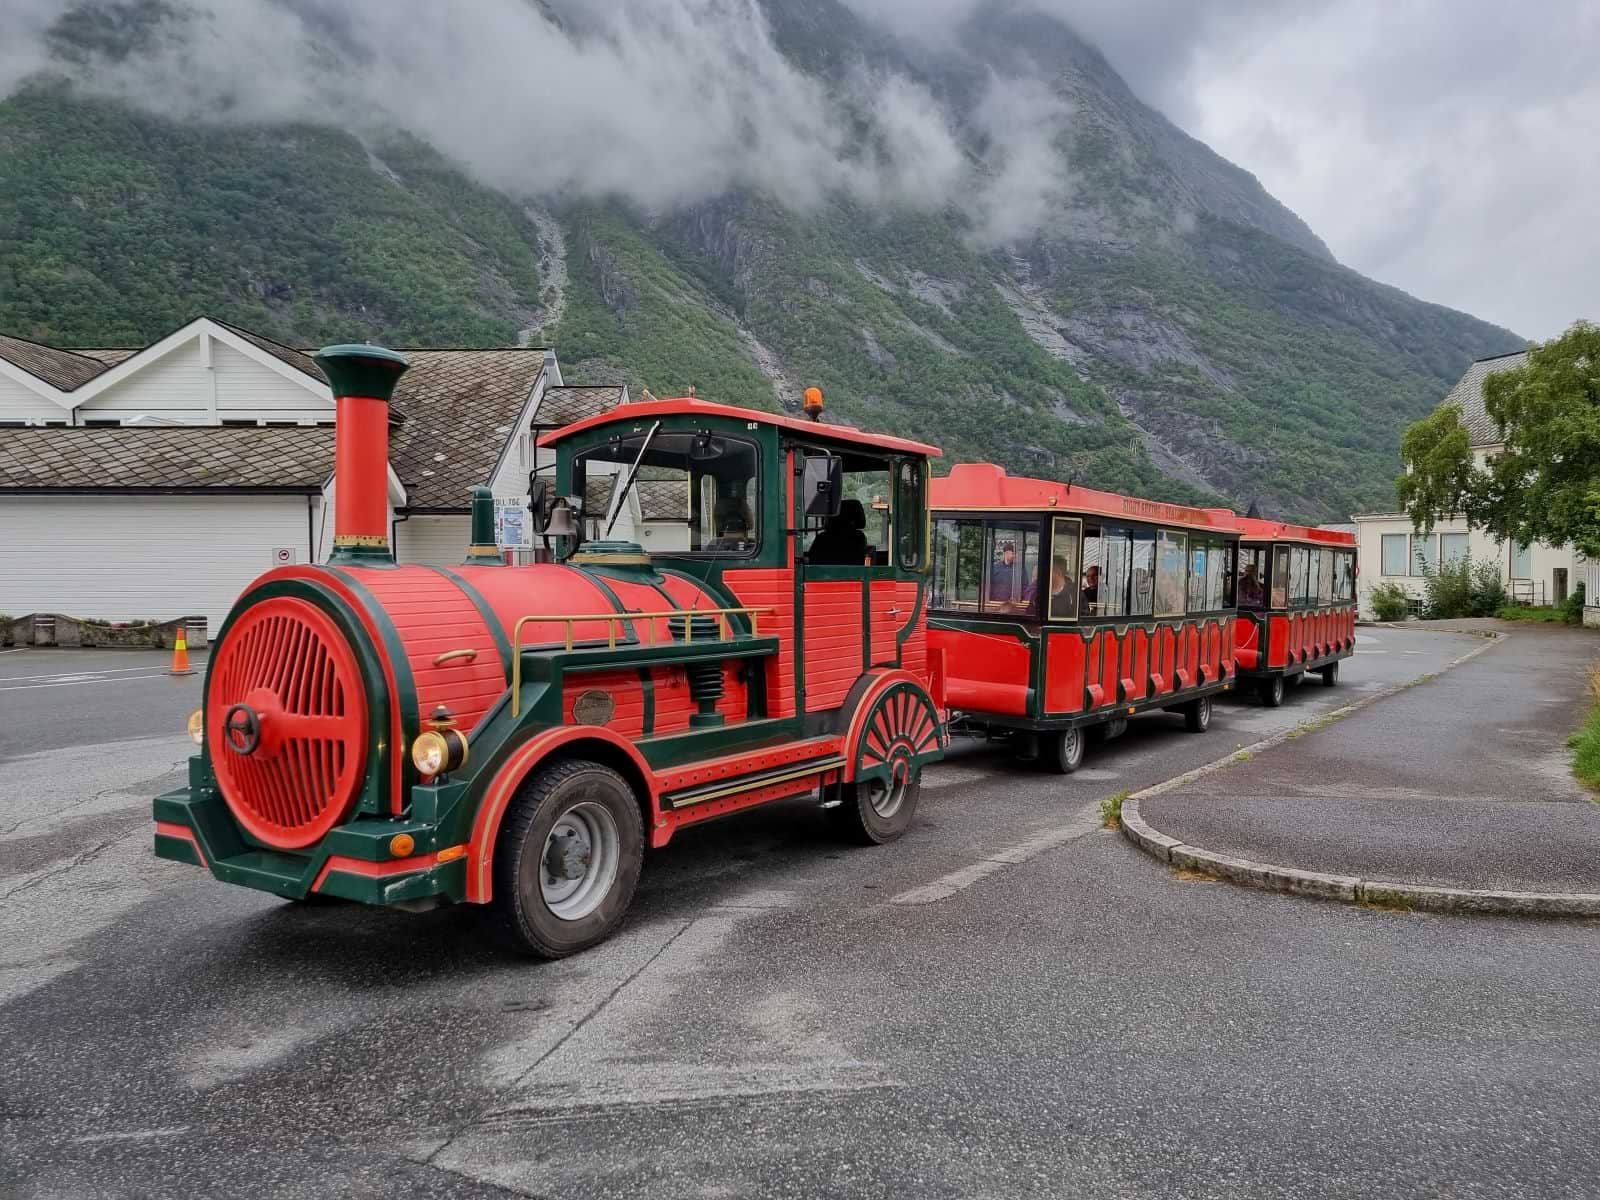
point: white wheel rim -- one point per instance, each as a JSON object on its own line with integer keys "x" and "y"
{"x": 579, "y": 861}
{"x": 887, "y": 795}
{"x": 1072, "y": 745}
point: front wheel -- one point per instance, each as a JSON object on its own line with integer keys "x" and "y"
{"x": 1197, "y": 715}
{"x": 1062, "y": 751}
{"x": 567, "y": 860}
{"x": 1271, "y": 691}
{"x": 1330, "y": 675}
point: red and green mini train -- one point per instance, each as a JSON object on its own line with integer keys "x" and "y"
{"x": 1061, "y": 612}
{"x": 1297, "y": 605}
{"x": 816, "y": 614}
{"x": 515, "y": 736}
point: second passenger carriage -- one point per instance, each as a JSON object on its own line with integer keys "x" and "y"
{"x": 1061, "y": 610}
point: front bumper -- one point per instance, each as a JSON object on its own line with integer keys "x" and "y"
{"x": 193, "y": 825}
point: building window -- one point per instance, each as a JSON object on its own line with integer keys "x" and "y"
{"x": 1424, "y": 554}
{"x": 1453, "y": 548}
{"x": 100, "y": 422}
{"x": 1394, "y": 554}
{"x": 1521, "y": 561}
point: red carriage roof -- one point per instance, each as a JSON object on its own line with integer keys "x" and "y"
{"x": 693, "y": 405}
{"x": 985, "y": 487}
{"x": 1255, "y": 530}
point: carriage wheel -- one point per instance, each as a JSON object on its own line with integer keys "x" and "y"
{"x": 1062, "y": 751}
{"x": 1330, "y": 675}
{"x": 1197, "y": 715}
{"x": 567, "y": 860}
{"x": 881, "y": 802}
{"x": 1271, "y": 691}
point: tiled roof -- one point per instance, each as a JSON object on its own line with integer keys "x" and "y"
{"x": 461, "y": 407}
{"x": 662, "y": 499}
{"x": 297, "y": 458}
{"x": 564, "y": 405}
{"x": 1468, "y": 393}
{"x": 597, "y": 491}
{"x": 110, "y": 357}
{"x": 61, "y": 369}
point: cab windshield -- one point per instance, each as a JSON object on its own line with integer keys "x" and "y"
{"x": 676, "y": 492}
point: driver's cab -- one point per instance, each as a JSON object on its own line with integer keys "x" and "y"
{"x": 820, "y": 528}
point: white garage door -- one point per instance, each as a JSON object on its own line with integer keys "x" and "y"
{"x": 120, "y": 558}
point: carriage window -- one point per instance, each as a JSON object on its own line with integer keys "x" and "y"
{"x": 1347, "y": 575}
{"x": 1299, "y": 565}
{"x": 910, "y": 513}
{"x": 1013, "y": 575}
{"x": 1280, "y": 577}
{"x": 1171, "y": 573}
{"x": 1066, "y": 586}
{"x": 1313, "y": 575}
{"x": 1252, "y": 576}
{"x": 1219, "y": 576}
{"x": 697, "y": 491}
{"x": 1116, "y": 568}
{"x": 1090, "y": 597}
{"x": 1325, "y": 584}
{"x": 1142, "y": 597}
{"x": 957, "y": 565}
{"x": 1197, "y": 576}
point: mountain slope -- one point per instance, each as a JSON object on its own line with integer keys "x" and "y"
{"x": 1172, "y": 329}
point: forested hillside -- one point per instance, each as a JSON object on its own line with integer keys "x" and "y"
{"x": 1170, "y": 328}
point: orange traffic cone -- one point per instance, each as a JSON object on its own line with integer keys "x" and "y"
{"x": 180, "y": 655}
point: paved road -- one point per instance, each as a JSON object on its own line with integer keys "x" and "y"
{"x": 51, "y": 698}
{"x": 1463, "y": 782}
{"x": 1010, "y": 1002}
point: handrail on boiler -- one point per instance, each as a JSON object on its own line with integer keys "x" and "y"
{"x": 613, "y": 623}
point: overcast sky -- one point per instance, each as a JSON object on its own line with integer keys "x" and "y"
{"x": 1448, "y": 147}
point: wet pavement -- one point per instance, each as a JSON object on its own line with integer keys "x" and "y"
{"x": 1462, "y": 781}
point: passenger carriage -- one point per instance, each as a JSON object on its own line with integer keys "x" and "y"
{"x": 514, "y": 736}
{"x": 1297, "y": 605}
{"x": 1062, "y": 611}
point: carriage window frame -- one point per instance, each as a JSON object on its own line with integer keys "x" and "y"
{"x": 1262, "y": 557}
{"x": 1279, "y": 591}
{"x": 988, "y": 533}
{"x": 1141, "y": 589}
{"x": 1069, "y": 531}
{"x": 1325, "y": 584}
{"x": 1299, "y": 574}
{"x": 1221, "y": 562}
{"x": 1030, "y": 533}
{"x": 1163, "y": 597}
{"x": 948, "y": 544}
{"x": 1116, "y": 566}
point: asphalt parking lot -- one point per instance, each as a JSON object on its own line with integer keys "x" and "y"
{"x": 1009, "y": 1002}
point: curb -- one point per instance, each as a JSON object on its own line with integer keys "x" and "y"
{"x": 1348, "y": 888}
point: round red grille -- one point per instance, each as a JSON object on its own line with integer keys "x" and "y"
{"x": 285, "y": 673}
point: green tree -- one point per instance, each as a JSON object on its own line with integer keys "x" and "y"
{"x": 1544, "y": 484}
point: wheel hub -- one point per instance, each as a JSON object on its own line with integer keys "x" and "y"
{"x": 568, "y": 855}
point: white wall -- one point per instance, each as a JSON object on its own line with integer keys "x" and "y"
{"x": 1544, "y": 559}
{"x": 179, "y": 386}
{"x": 18, "y": 402}
{"x": 433, "y": 541}
{"x": 120, "y": 558}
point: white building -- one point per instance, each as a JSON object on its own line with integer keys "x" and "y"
{"x": 1392, "y": 551}
{"x": 157, "y": 482}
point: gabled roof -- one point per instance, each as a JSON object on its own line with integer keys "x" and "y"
{"x": 1468, "y": 393}
{"x": 461, "y": 407}
{"x": 63, "y": 370}
{"x": 565, "y": 405}
{"x": 166, "y": 458}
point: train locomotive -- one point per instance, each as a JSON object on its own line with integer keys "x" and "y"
{"x": 514, "y": 737}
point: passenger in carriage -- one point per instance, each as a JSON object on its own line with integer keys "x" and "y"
{"x": 1250, "y": 589}
{"x": 1004, "y": 586}
{"x": 1091, "y": 588}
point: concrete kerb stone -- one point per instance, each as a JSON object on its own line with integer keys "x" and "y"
{"x": 1348, "y": 888}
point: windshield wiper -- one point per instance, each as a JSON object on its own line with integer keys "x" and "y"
{"x": 616, "y": 501}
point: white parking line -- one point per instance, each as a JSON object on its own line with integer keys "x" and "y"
{"x": 97, "y": 672}
{"x": 1085, "y": 821}
{"x": 77, "y": 682}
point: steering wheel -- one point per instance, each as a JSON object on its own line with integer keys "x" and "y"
{"x": 241, "y": 729}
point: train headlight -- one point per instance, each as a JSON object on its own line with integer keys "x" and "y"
{"x": 438, "y": 752}
{"x": 197, "y": 726}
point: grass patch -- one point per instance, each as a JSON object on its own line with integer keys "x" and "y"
{"x": 1544, "y": 614}
{"x": 1111, "y": 810}
{"x": 1586, "y": 742}
{"x": 1187, "y": 875}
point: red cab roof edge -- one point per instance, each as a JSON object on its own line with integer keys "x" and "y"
{"x": 1256, "y": 530}
{"x": 692, "y": 404}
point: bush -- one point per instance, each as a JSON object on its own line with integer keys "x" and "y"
{"x": 1468, "y": 588}
{"x": 1572, "y": 606}
{"x": 1390, "y": 602}
{"x": 1488, "y": 589}
{"x": 1586, "y": 763}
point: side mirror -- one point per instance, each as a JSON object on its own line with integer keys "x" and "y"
{"x": 539, "y": 503}
{"x": 820, "y": 485}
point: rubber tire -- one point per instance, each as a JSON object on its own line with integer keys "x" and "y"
{"x": 1271, "y": 691}
{"x": 1061, "y": 752}
{"x": 1197, "y": 715}
{"x": 1109, "y": 731}
{"x": 855, "y": 820}
{"x": 517, "y": 917}
{"x": 1330, "y": 675}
